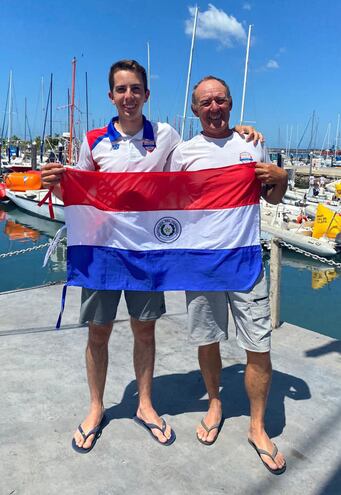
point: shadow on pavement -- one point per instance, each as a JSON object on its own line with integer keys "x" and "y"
{"x": 334, "y": 346}
{"x": 185, "y": 392}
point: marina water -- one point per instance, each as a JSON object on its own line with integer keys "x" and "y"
{"x": 310, "y": 290}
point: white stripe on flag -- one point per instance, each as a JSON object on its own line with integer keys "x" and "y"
{"x": 200, "y": 229}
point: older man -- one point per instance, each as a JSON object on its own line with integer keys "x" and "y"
{"x": 219, "y": 146}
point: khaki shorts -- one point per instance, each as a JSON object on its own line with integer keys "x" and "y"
{"x": 208, "y": 316}
{"x": 100, "y": 306}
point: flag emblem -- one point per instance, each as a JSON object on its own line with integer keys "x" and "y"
{"x": 167, "y": 229}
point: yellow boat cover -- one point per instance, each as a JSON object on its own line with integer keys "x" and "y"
{"x": 327, "y": 222}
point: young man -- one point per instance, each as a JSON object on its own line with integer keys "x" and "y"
{"x": 129, "y": 143}
{"x": 219, "y": 146}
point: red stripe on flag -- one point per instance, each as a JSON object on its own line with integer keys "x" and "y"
{"x": 218, "y": 188}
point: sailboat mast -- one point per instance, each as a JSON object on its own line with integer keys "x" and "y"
{"x": 9, "y": 135}
{"x": 337, "y": 133}
{"x": 42, "y": 98}
{"x": 189, "y": 73}
{"x": 51, "y": 86}
{"x": 328, "y": 138}
{"x": 42, "y": 144}
{"x": 68, "y": 106}
{"x": 86, "y": 102}
{"x": 72, "y": 107}
{"x": 245, "y": 74}
{"x": 25, "y": 118}
{"x": 148, "y": 74}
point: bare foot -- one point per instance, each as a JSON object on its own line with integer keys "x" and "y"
{"x": 91, "y": 421}
{"x": 149, "y": 415}
{"x": 213, "y": 417}
{"x": 262, "y": 441}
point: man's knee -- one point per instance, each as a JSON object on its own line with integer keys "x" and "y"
{"x": 260, "y": 360}
{"x": 99, "y": 334}
{"x": 144, "y": 331}
{"x": 209, "y": 349}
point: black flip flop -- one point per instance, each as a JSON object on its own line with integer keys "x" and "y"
{"x": 150, "y": 426}
{"x": 97, "y": 431}
{"x": 217, "y": 426}
{"x": 272, "y": 456}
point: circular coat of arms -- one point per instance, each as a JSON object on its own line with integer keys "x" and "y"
{"x": 167, "y": 229}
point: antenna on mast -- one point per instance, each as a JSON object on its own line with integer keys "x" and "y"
{"x": 189, "y": 73}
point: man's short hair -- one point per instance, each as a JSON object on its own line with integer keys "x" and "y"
{"x": 208, "y": 78}
{"x": 131, "y": 65}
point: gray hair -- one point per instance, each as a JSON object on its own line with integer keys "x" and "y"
{"x": 208, "y": 78}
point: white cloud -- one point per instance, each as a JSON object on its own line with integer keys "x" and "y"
{"x": 272, "y": 64}
{"x": 247, "y": 6}
{"x": 215, "y": 24}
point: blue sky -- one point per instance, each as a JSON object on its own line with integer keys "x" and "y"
{"x": 294, "y": 58}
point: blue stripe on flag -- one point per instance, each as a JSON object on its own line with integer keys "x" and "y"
{"x": 105, "y": 268}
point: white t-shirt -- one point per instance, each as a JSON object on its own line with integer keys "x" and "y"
{"x": 107, "y": 150}
{"x": 202, "y": 152}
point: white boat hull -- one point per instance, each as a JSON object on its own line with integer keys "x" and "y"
{"x": 29, "y": 200}
{"x": 321, "y": 247}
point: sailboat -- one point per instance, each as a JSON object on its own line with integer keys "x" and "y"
{"x": 277, "y": 221}
{"x": 29, "y": 198}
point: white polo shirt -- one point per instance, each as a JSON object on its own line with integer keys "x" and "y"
{"x": 202, "y": 152}
{"x": 108, "y": 150}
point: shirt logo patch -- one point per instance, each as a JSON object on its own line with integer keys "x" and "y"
{"x": 245, "y": 157}
{"x": 115, "y": 146}
{"x": 149, "y": 145}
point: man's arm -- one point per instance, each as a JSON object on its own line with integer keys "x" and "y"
{"x": 174, "y": 140}
{"x": 251, "y": 133}
{"x": 51, "y": 173}
{"x": 274, "y": 180}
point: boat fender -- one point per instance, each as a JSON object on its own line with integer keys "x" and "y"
{"x": 301, "y": 218}
{"x": 2, "y": 191}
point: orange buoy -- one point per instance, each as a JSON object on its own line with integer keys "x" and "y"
{"x": 23, "y": 181}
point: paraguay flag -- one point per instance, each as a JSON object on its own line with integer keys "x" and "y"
{"x": 155, "y": 231}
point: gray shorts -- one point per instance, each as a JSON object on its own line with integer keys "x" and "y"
{"x": 100, "y": 306}
{"x": 208, "y": 316}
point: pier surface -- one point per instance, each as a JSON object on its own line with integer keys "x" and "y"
{"x": 45, "y": 396}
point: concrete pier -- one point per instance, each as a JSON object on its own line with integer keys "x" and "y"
{"x": 45, "y": 396}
